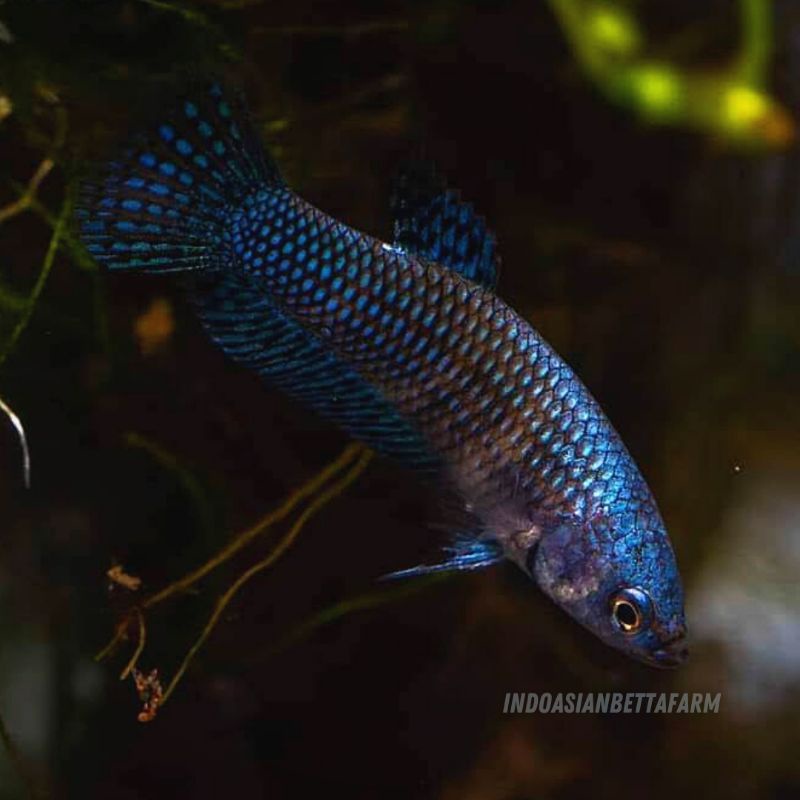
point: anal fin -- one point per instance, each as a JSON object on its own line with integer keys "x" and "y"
{"x": 255, "y": 333}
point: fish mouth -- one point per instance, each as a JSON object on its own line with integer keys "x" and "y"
{"x": 671, "y": 654}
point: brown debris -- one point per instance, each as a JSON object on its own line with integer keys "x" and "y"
{"x": 150, "y": 691}
{"x": 154, "y": 327}
{"x": 117, "y": 575}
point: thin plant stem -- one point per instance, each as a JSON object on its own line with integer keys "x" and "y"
{"x": 319, "y": 501}
{"x": 28, "y": 194}
{"x": 756, "y": 49}
{"x": 19, "y": 428}
{"x": 47, "y": 264}
{"x": 244, "y": 538}
{"x": 119, "y": 634}
{"x": 139, "y": 647}
{"x": 237, "y": 543}
{"x": 76, "y": 250}
{"x": 362, "y": 602}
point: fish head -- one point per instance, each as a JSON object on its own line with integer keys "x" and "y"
{"x": 615, "y": 574}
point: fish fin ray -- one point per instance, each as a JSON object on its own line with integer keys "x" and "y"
{"x": 465, "y": 554}
{"x": 162, "y": 204}
{"x": 433, "y": 222}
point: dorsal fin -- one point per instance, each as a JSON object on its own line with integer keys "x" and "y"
{"x": 433, "y": 222}
{"x": 255, "y": 333}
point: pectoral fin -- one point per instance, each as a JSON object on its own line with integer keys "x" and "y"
{"x": 462, "y": 556}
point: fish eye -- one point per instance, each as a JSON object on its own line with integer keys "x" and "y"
{"x": 630, "y": 609}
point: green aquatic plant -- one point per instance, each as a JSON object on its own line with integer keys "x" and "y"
{"x": 351, "y": 605}
{"x": 609, "y": 43}
{"x": 26, "y": 307}
{"x": 44, "y": 272}
{"x": 31, "y": 92}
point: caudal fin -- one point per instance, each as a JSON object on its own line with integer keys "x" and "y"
{"x": 162, "y": 205}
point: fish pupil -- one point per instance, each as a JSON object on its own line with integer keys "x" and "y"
{"x": 626, "y": 615}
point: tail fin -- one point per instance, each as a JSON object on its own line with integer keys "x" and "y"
{"x": 162, "y": 206}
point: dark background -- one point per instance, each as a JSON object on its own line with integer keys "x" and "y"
{"x": 661, "y": 262}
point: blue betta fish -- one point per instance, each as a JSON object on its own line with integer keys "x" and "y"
{"x": 407, "y": 347}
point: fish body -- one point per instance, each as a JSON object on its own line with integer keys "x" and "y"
{"x": 406, "y": 346}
